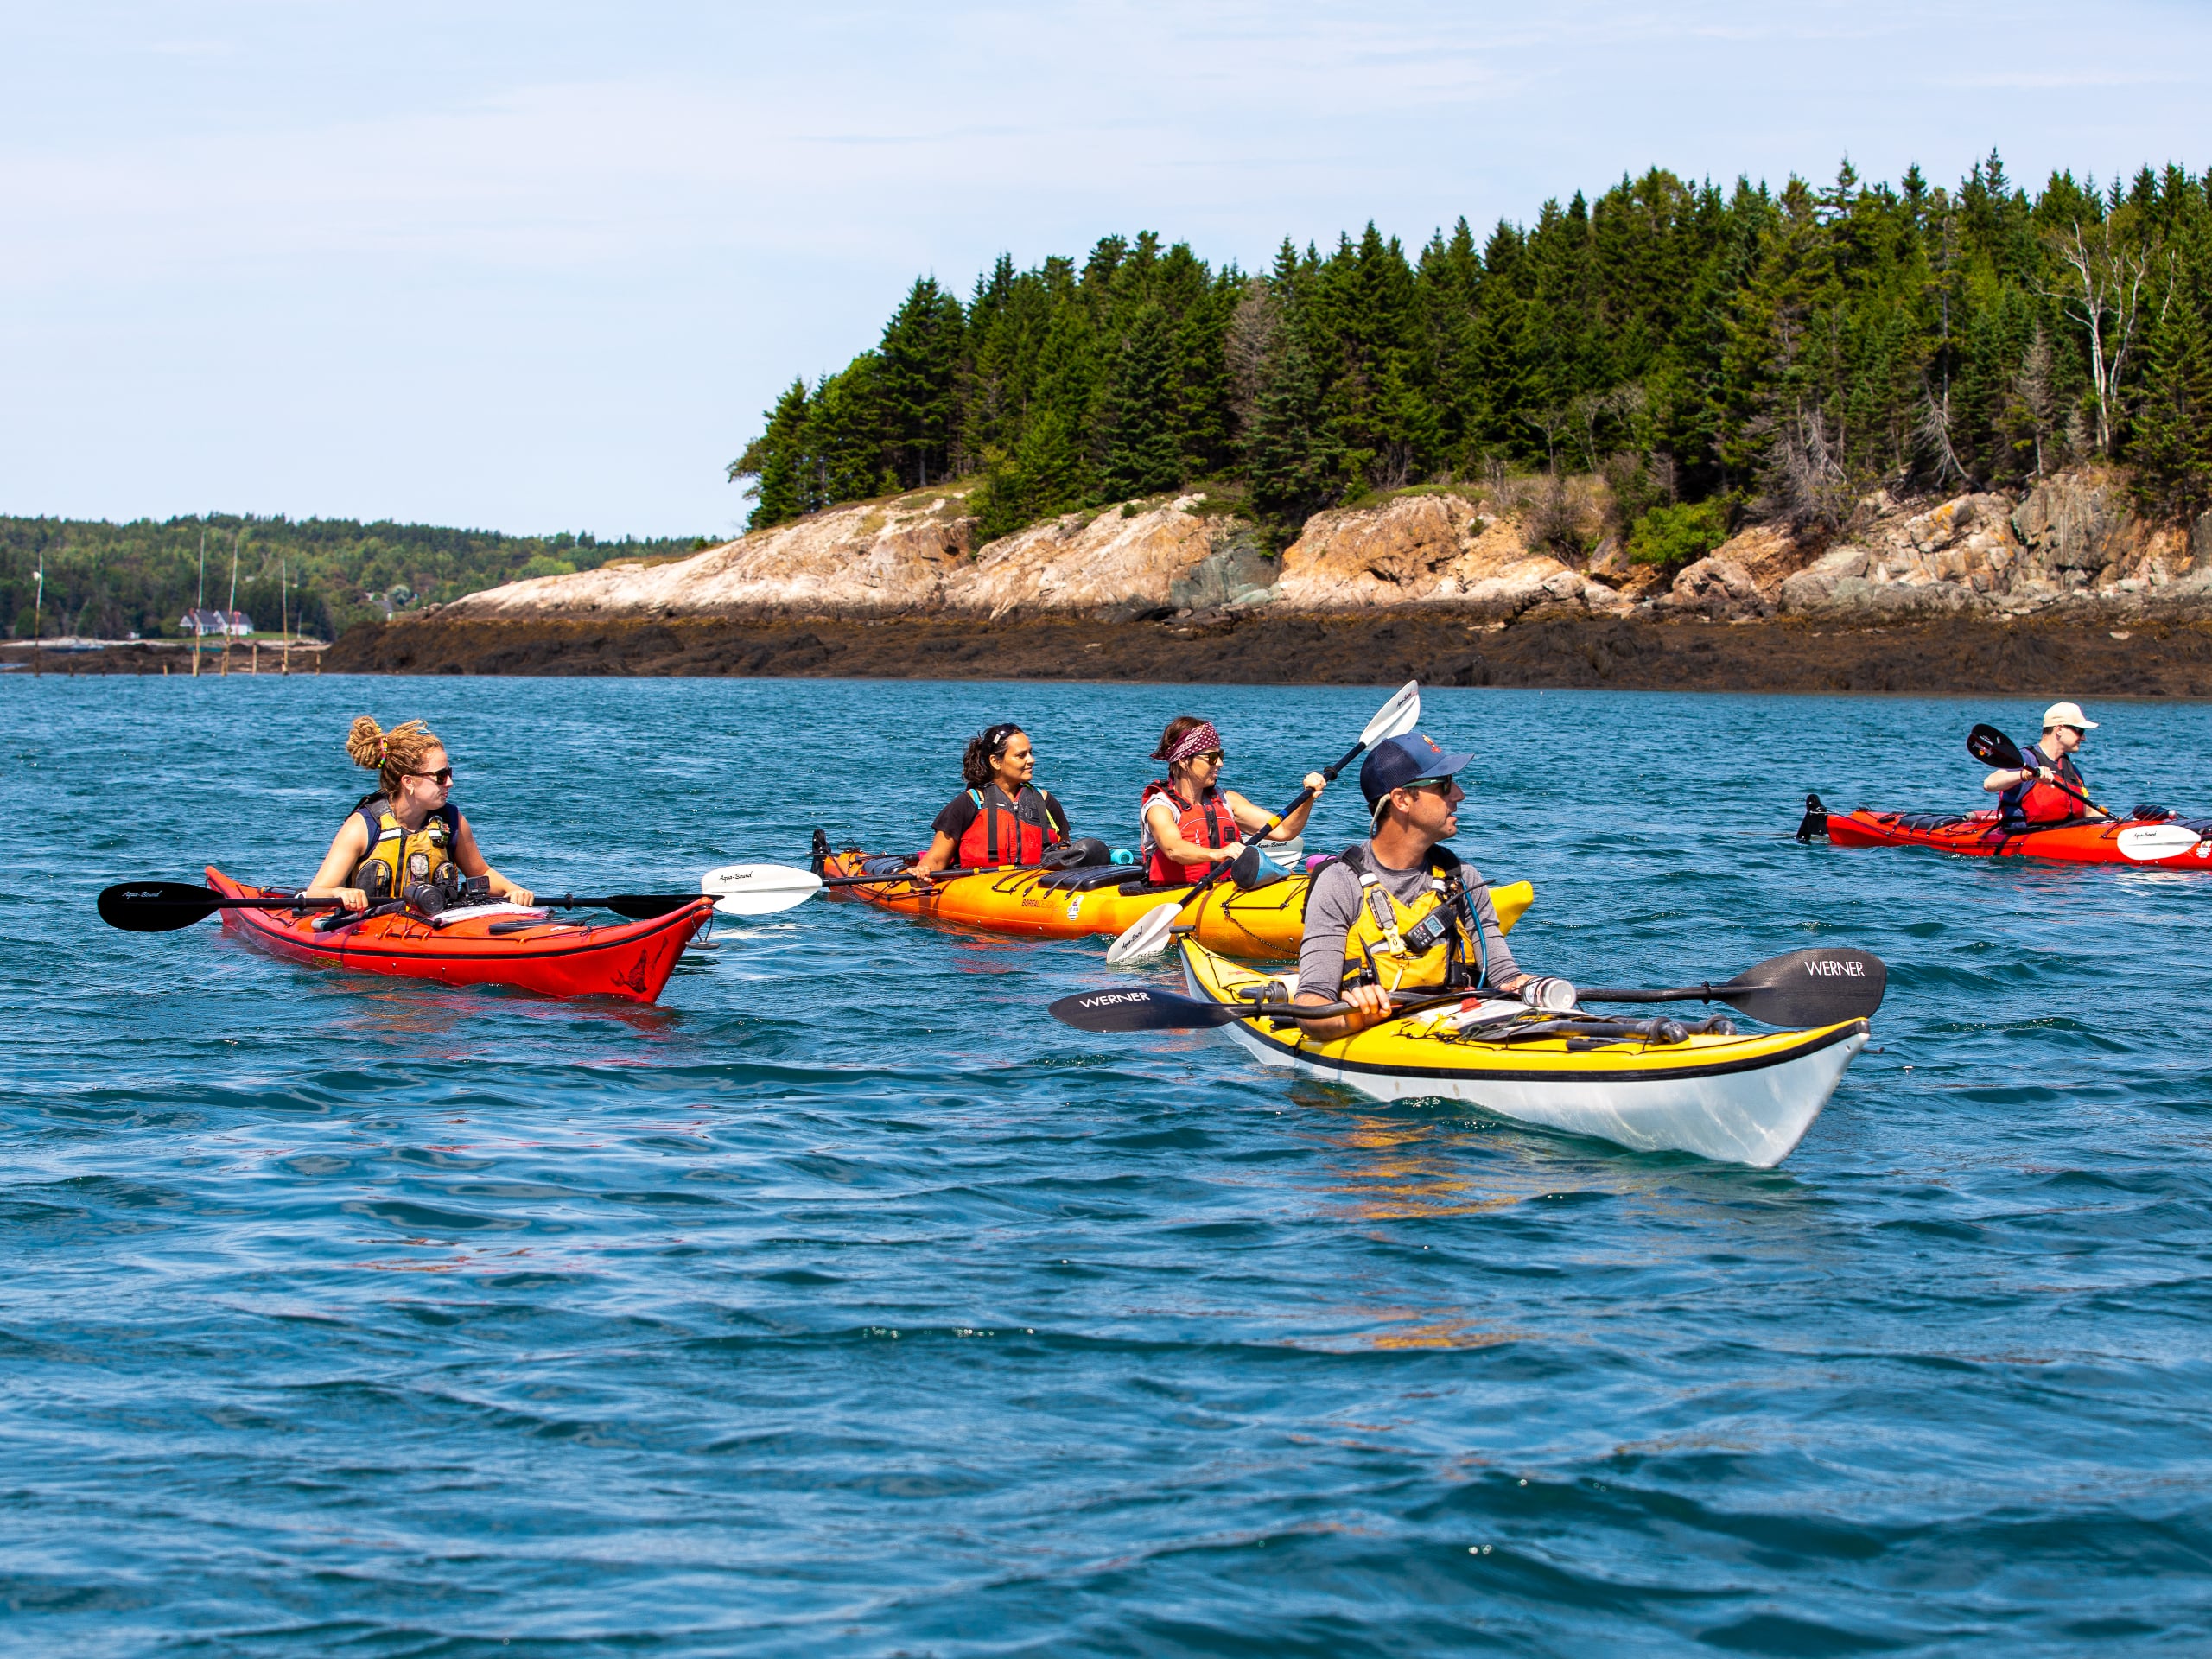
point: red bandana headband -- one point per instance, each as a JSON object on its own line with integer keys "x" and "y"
{"x": 1201, "y": 738}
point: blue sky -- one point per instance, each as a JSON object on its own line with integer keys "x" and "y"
{"x": 540, "y": 267}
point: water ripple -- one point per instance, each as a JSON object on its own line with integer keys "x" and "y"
{"x": 844, "y": 1305}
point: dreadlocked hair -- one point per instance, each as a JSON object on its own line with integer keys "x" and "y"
{"x": 985, "y": 748}
{"x": 392, "y": 755}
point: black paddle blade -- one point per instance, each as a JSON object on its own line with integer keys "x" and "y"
{"x": 1809, "y": 987}
{"x": 645, "y": 907}
{"x": 1993, "y": 748}
{"x": 1141, "y": 1010}
{"x": 1815, "y": 821}
{"x": 1253, "y": 868}
{"x": 156, "y": 907}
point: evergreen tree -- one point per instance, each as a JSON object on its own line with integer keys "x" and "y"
{"x": 1290, "y": 463}
{"x": 777, "y": 462}
{"x": 1144, "y": 452}
{"x": 920, "y": 352}
{"x": 846, "y": 428}
{"x": 2171, "y": 443}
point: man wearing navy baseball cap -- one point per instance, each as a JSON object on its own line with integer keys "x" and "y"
{"x": 1398, "y": 911}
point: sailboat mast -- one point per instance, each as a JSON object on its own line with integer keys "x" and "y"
{"x": 231, "y": 610}
{"x": 200, "y": 605}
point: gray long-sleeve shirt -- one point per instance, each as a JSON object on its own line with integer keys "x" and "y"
{"x": 1333, "y": 903}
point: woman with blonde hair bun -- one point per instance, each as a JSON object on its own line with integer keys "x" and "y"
{"x": 404, "y": 840}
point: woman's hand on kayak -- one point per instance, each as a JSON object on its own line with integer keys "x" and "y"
{"x": 1316, "y": 782}
{"x": 350, "y": 897}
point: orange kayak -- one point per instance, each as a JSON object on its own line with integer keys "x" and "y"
{"x": 1264, "y": 924}
{"x": 2158, "y": 844}
{"x": 632, "y": 960}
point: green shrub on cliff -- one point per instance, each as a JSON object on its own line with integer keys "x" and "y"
{"x": 1671, "y": 538}
{"x": 1789, "y": 349}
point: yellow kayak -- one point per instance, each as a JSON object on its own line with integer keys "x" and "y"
{"x": 1264, "y": 923}
{"x": 1745, "y": 1099}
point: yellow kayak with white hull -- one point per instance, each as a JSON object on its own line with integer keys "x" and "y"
{"x": 1742, "y": 1099}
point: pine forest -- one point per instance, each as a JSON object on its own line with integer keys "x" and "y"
{"x": 1716, "y": 355}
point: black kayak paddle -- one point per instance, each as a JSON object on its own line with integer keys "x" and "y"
{"x": 1806, "y": 988}
{"x": 164, "y": 906}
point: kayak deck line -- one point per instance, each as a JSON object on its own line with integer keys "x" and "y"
{"x": 1746, "y": 1098}
{"x": 2170, "y": 843}
{"x": 630, "y": 960}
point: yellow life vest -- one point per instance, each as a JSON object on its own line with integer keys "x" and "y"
{"x": 1424, "y": 945}
{"x": 398, "y": 857}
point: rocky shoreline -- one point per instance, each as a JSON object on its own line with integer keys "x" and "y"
{"x": 1951, "y": 654}
{"x": 1521, "y": 581}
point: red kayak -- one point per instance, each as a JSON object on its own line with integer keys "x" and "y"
{"x": 632, "y": 960}
{"x": 2148, "y": 843}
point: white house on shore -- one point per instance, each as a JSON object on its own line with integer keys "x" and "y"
{"x": 234, "y": 624}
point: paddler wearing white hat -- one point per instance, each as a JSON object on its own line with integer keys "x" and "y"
{"x": 2038, "y": 792}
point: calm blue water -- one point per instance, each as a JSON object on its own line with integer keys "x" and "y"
{"x": 845, "y": 1305}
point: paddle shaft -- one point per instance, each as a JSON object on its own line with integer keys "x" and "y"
{"x": 923, "y": 875}
{"x": 1328, "y": 775}
{"x": 1684, "y": 994}
{"x": 2062, "y": 787}
{"x": 160, "y": 907}
{"x": 566, "y": 901}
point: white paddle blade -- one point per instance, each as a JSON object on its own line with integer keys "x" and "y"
{"x": 1146, "y": 936}
{"x": 1395, "y": 718}
{"x": 760, "y": 903}
{"x": 759, "y": 889}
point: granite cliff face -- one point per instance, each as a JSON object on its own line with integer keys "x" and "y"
{"x": 2070, "y": 547}
{"x": 1430, "y": 549}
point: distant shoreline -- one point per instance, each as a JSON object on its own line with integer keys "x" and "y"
{"x": 2081, "y": 658}
{"x": 157, "y": 657}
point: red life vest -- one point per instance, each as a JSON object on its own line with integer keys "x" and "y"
{"x": 1207, "y": 822}
{"x": 1007, "y": 829}
{"x": 2041, "y": 803}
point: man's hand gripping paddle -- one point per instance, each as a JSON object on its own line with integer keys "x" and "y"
{"x": 1993, "y": 748}
{"x": 1804, "y": 988}
{"x": 1148, "y": 935}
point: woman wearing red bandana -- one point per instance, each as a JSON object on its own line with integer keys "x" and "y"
{"x": 1192, "y": 824}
